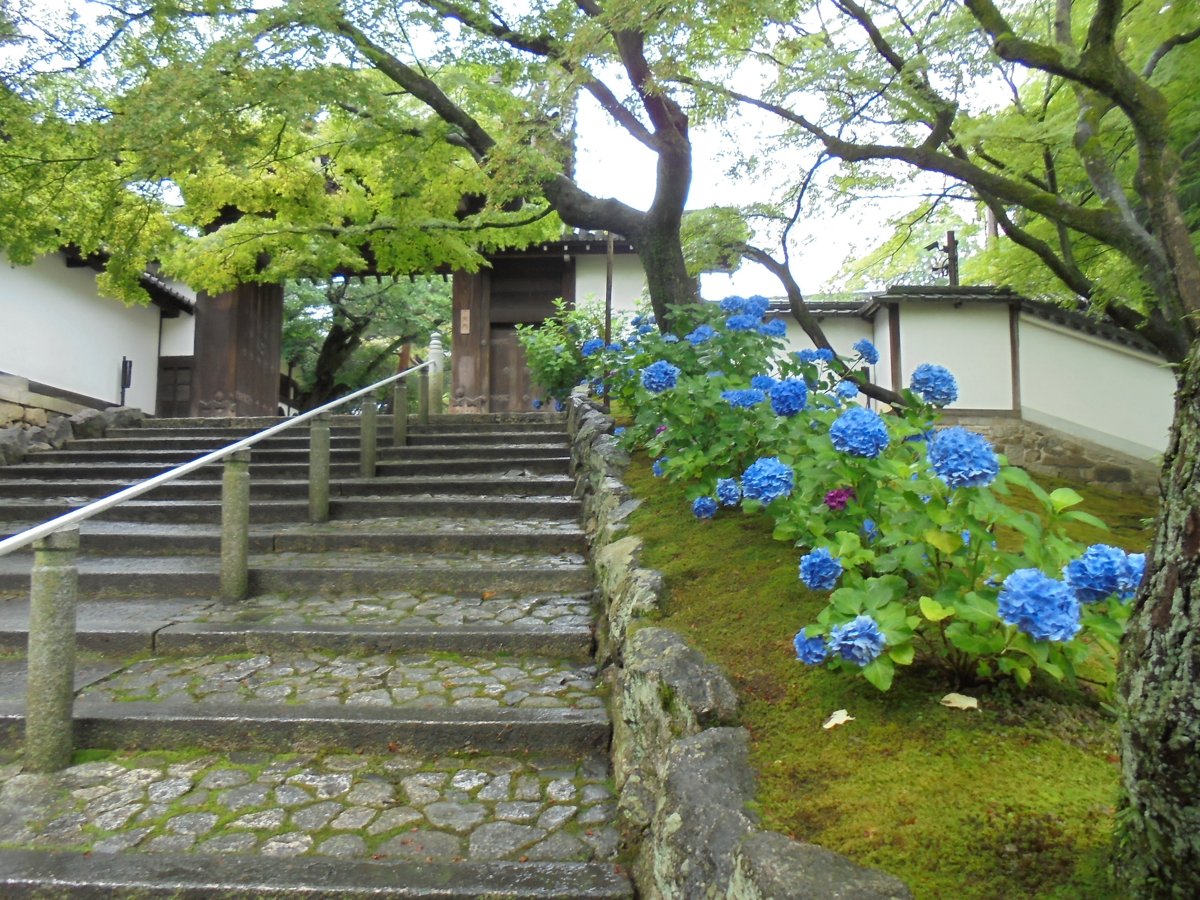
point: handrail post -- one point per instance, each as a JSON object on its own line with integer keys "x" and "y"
{"x": 318, "y": 469}
{"x": 400, "y": 412}
{"x": 423, "y": 396}
{"x": 235, "y": 526}
{"x": 50, "y": 683}
{"x": 369, "y": 436}
{"x": 437, "y": 362}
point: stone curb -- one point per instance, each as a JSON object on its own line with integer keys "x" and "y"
{"x": 680, "y": 764}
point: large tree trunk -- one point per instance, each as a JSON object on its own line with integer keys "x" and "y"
{"x": 667, "y": 279}
{"x": 1159, "y": 822}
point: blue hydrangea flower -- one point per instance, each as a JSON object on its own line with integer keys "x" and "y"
{"x": 846, "y": 389}
{"x": 870, "y": 530}
{"x": 538, "y": 403}
{"x": 745, "y": 398}
{"x": 806, "y": 356}
{"x": 1043, "y": 608}
{"x": 824, "y": 354}
{"x": 1097, "y": 574}
{"x": 704, "y": 507}
{"x": 729, "y": 493}
{"x": 701, "y": 334}
{"x": 963, "y": 458}
{"x": 966, "y": 538}
{"x": 742, "y": 322}
{"x": 657, "y": 468}
{"x": 1131, "y": 580}
{"x": 763, "y": 382}
{"x": 615, "y": 347}
{"x": 773, "y": 328}
{"x": 559, "y": 406}
{"x": 860, "y": 432}
{"x": 733, "y": 305}
{"x": 859, "y": 641}
{"x": 659, "y": 376}
{"x": 789, "y": 396}
{"x": 670, "y": 339}
{"x": 619, "y": 430}
{"x": 756, "y": 305}
{"x": 935, "y": 384}
{"x": 591, "y": 345}
{"x": 645, "y": 329}
{"x": 867, "y": 350}
{"x": 810, "y": 650}
{"x": 767, "y": 479}
{"x": 820, "y": 570}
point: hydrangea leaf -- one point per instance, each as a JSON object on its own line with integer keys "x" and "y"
{"x": 1064, "y": 498}
{"x": 880, "y": 672}
{"x": 945, "y": 542}
{"x": 962, "y": 637}
{"x": 903, "y": 654}
{"x": 1078, "y": 515}
{"x": 934, "y": 611}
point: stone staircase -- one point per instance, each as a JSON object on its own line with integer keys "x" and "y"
{"x": 404, "y": 706}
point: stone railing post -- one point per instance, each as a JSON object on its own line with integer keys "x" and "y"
{"x": 437, "y": 379}
{"x": 369, "y": 433}
{"x": 50, "y": 685}
{"x": 318, "y": 469}
{"x": 235, "y": 526}
{"x": 423, "y": 396}
{"x": 400, "y": 412}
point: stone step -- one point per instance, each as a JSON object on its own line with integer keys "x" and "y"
{"x": 275, "y": 488}
{"x": 548, "y": 624}
{"x": 472, "y": 421}
{"x": 345, "y": 439}
{"x": 39, "y": 873}
{"x": 167, "y": 457}
{"x": 264, "y": 512}
{"x": 198, "y": 576}
{"x": 515, "y": 466}
{"x": 298, "y": 825}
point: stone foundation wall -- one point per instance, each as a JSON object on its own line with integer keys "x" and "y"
{"x": 35, "y": 429}
{"x": 680, "y": 760}
{"x": 1047, "y": 451}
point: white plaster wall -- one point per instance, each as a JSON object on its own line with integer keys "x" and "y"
{"x": 971, "y": 341}
{"x": 1095, "y": 389}
{"x": 178, "y": 336}
{"x": 629, "y": 280}
{"x": 882, "y": 339}
{"x": 58, "y": 331}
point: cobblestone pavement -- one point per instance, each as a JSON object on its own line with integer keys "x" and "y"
{"x": 395, "y": 808}
{"x": 413, "y": 681}
{"x": 401, "y": 608}
{"x": 461, "y": 559}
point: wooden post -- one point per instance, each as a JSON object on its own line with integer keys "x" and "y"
{"x": 400, "y": 412}
{"x": 369, "y": 434}
{"x": 423, "y": 396}
{"x": 318, "y": 469}
{"x": 50, "y": 684}
{"x": 235, "y": 526}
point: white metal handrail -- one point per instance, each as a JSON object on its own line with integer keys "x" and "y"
{"x": 75, "y": 516}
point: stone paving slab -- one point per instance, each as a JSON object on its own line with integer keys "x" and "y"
{"x": 386, "y": 808}
{"x": 13, "y": 674}
{"x": 403, "y": 608}
{"x": 104, "y": 626}
{"x": 399, "y": 681}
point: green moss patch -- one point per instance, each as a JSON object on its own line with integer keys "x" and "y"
{"x": 1013, "y": 800}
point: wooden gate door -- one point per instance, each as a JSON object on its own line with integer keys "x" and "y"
{"x": 510, "y": 387}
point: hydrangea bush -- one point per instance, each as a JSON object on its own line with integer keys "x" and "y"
{"x": 894, "y": 516}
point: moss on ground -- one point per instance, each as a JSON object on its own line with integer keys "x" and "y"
{"x": 1014, "y": 800}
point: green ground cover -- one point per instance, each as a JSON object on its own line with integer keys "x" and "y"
{"x": 1014, "y": 800}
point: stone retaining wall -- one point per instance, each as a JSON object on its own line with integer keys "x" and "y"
{"x": 1047, "y": 451}
{"x": 28, "y": 434}
{"x": 680, "y": 760}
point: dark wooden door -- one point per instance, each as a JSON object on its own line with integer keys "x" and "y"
{"x": 174, "y": 395}
{"x": 511, "y": 390}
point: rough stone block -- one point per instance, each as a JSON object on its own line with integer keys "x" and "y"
{"x": 769, "y": 865}
{"x": 35, "y": 417}
{"x": 11, "y": 412}
{"x": 88, "y": 423}
{"x": 58, "y": 431}
{"x": 124, "y": 417}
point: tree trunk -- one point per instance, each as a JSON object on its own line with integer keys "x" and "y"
{"x": 1159, "y": 688}
{"x": 667, "y": 279}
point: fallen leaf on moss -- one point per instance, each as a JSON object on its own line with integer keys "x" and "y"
{"x": 836, "y": 718}
{"x": 960, "y": 701}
